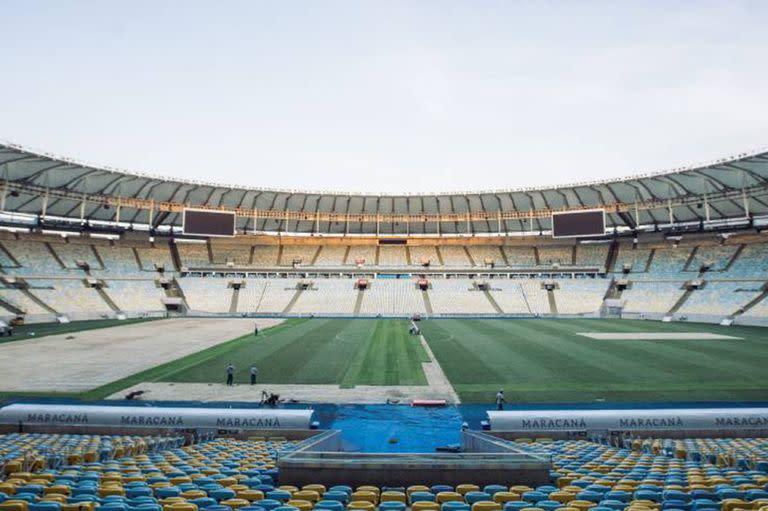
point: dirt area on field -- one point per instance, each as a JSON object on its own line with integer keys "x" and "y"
{"x": 81, "y": 361}
{"x": 438, "y": 387}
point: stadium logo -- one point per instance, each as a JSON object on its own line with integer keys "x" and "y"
{"x": 653, "y": 422}
{"x": 553, "y": 423}
{"x": 63, "y": 418}
{"x": 741, "y": 421}
{"x": 128, "y": 420}
{"x": 237, "y": 422}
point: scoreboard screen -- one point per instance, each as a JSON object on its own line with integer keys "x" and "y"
{"x": 202, "y": 222}
{"x": 578, "y": 223}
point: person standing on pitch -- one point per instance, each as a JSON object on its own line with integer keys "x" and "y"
{"x": 256, "y": 330}
{"x": 254, "y": 373}
{"x": 230, "y": 374}
{"x": 500, "y": 400}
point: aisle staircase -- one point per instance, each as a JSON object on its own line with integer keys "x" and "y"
{"x": 493, "y": 302}
{"x": 107, "y": 299}
{"x": 427, "y": 301}
{"x": 552, "y": 302}
{"x": 234, "y": 300}
{"x": 359, "y": 301}
{"x": 293, "y": 301}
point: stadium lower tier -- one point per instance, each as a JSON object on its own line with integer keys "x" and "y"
{"x": 702, "y": 279}
{"x": 44, "y": 299}
{"x": 49, "y": 472}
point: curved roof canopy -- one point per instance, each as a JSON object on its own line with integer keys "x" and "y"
{"x": 43, "y": 184}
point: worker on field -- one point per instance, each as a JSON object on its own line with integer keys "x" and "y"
{"x": 256, "y": 330}
{"x": 500, "y": 399}
{"x": 230, "y": 374}
{"x": 254, "y": 372}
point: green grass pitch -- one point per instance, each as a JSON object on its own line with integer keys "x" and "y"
{"x": 345, "y": 352}
{"x": 533, "y": 360}
{"x": 544, "y": 360}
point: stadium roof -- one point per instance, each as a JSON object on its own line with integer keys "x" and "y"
{"x": 52, "y": 186}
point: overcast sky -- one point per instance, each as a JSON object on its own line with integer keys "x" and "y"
{"x": 386, "y": 96}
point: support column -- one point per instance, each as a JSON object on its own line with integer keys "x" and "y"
{"x": 5, "y": 187}
{"x": 669, "y": 209}
{"x": 706, "y": 207}
{"x": 44, "y": 209}
{"x": 745, "y": 201}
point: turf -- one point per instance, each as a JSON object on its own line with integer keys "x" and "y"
{"x": 345, "y": 352}
{"x": 544, "y": 360}
{"x": 37, "y": 330}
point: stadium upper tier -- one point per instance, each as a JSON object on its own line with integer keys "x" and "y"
{"x": 49, "y": 186}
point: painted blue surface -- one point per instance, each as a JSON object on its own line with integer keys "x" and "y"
{"x": 392, "y": 428}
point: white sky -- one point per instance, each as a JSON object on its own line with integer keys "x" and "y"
{"x": 386, "y": 96}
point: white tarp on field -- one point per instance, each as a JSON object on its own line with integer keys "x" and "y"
{"x": 657, "y": 336}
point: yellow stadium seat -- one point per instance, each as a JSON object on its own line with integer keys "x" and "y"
{"x": 364, "y": 496}
{"x": 319, "y": 488}
{"x": 236, "y": 503}
{"x": 14, "y": 505}
{"x": 180, "y": 506}
{"x": 369, "y": 488}
{"x": 393, "y": 496}
{"x": 227, "y": 481}
{"x": 362, "y": 505}
{"x": 449, "y": 496}
{"x": 486, "y": 505}
{"x": 581, "y": 505}
{"x": 731, "y": 504}
{"x": 302, "y": 505}
{"x": 105, "y": 491}
{"x": 250, "y": 495}
{"x": 308, "y": 495}
{"x": 506, "y": 496}
{"x": 562, "y": 496}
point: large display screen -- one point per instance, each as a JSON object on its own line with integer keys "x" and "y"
{"x": 200, "y": 222}
{"x": 578, "y": 223}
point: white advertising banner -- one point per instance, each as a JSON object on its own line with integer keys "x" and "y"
{"x": 155, "y": 417}
{"x": 629, "y": 420}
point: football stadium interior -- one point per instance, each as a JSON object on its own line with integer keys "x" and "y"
{"x": 365, "y": 337}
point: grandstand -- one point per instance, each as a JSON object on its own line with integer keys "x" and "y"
{"x": 43, "y": 275}
{"x": 709, "y": 268}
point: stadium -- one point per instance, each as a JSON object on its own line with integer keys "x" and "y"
{"x": 172, "y": 343}
{"x": 631, "y": 309}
